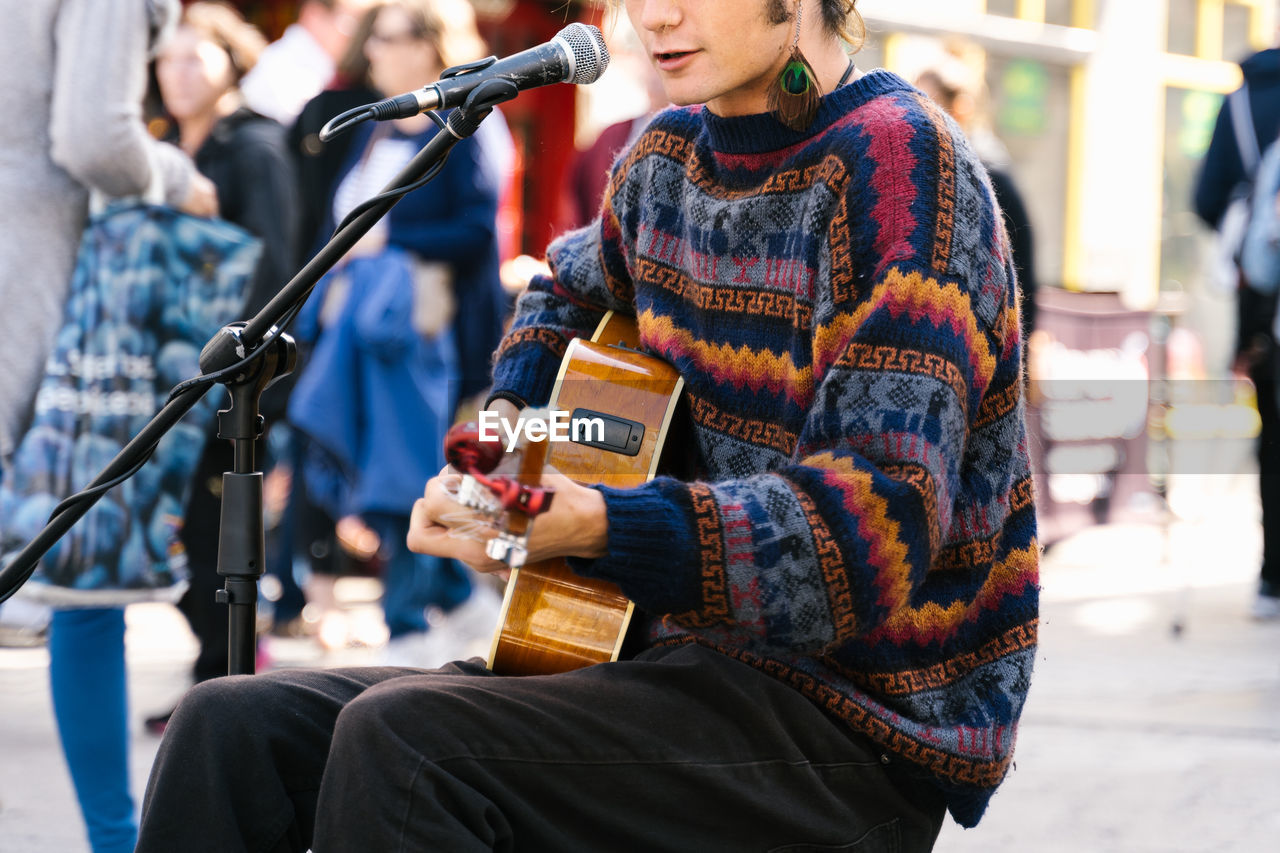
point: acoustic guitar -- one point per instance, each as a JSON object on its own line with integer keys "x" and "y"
{"x": 620, "y": 404}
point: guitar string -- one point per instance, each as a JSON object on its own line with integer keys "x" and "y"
{"x": 467, "y": 527}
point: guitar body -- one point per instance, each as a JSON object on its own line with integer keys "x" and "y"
{"x": 552, "y": 619}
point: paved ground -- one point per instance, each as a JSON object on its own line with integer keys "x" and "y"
{"x": 1153, "y": 724}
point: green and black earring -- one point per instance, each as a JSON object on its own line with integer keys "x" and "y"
{"x": 795, "y": 98}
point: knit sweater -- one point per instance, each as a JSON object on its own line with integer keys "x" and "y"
{"x": 841, "y": 304}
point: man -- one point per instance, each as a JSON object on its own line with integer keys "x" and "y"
{"x": 297, "y": 66}
{"x": 1222, "y": 175}
{"x": 838, "y": 614}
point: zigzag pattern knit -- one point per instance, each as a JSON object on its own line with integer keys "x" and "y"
{"x": 841, "y": 304}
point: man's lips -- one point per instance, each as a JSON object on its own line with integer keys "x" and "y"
{"x": 668, "y": 60}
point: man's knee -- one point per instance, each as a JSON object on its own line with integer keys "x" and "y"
{"x": 432, "y": 713}
{"x": 227, "y": 701}
{"x": 372, "y": 713}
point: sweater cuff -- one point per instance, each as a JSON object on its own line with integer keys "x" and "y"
{"x": 653, "y": 553}
{"x": 526, "y": 372}
{"x": 511, "y": 397}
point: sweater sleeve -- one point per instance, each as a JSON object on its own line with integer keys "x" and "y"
{"x": 831, "y": 544}
{"x": 589, "y": 278}
{"x": 96, "y": 115}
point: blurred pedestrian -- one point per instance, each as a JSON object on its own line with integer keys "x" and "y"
{"x": 318, "y": 163}
{"x": 198, "y": 73}
{"x": 303, "y": 60}
{"x": 305, "y": 529}
{"x": 74, "y": 76}
{"x": 405, "y": 328}
{"x": 1227, "y": 173}
{"x": 315, "y": 167}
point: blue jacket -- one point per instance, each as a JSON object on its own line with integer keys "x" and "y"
{"x": 1221, "y": 171}
{"x": 374, "y": 400}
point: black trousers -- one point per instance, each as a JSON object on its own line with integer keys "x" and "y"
{"x": 1255, "y": 314}
{"x": 1263, "y": 374}
{"x": 681, "y": 749}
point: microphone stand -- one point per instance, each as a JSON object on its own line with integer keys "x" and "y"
{"x": 247, "y": 357}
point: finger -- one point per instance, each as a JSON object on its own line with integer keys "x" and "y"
{"x": 427, "y": 536}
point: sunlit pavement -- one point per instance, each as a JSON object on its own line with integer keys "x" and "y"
{"x": 1153, "y": 723}
{"x": 1154, "y": 717}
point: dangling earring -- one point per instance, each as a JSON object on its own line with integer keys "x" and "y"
{"x": 795, "y": 97}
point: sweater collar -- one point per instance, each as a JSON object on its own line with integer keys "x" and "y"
{"x": 760, "y": 133}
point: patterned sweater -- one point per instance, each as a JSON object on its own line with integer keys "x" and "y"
{"x": 841, "y": 305}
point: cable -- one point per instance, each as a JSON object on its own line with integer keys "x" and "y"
{"x": 397, "y": 192}
{"x": 345, "y": 121}
{"x": 336, "y": 125}
{"x": 94, "y": 492}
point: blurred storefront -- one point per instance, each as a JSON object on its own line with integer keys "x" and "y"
{"x": 1105, "y": 107}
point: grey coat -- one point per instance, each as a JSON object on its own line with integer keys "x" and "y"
{"x": 74, "y": 75}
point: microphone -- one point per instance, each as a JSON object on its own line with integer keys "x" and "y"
{"x": 577, "y": 54}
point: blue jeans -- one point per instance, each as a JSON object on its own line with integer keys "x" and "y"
{"x": 90, "y": 703}
{"x": 413, "y": 582}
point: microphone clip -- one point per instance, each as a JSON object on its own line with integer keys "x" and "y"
{"x": 464, "y": 120}
{"x": 467, "y": 67}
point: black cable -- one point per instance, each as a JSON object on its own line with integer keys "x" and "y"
{"x": 345, "y": 121}
{"x": 206, "y": 380}
{"x": 397, "y": 192}
{"x": 102, "y": 488}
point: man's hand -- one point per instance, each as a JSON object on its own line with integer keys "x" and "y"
{"x": 575, "y": 525}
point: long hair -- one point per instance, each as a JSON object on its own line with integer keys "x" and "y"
{"x": 449, "y": 26}
{"x": 226, "y": 27}
{"x": 842, "y": 18}
{"x": 353, "y": 65}
{"x": 839, "y": 16}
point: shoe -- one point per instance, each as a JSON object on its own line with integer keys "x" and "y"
{"x": 262, "y": 658}
{"x": 296, "y": 628}
{"x": 1266, "y": 608}
{"x": 23, "y": 624}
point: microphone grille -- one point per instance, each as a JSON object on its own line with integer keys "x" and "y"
{"x": 590, "y": 56}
